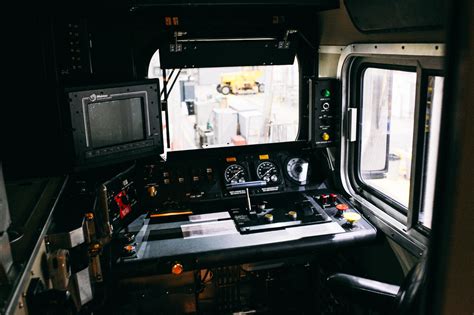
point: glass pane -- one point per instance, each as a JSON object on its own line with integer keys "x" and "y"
{"x": 432, "y": 129}
{"x": 388, "y": 104}
{"x": 228, "y": 106}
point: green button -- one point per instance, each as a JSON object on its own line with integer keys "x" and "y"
{"x": 326, "y": 93}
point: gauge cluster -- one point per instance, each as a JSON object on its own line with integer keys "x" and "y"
{"x": 280, "y": 170}
{"x": 207, "y": 174}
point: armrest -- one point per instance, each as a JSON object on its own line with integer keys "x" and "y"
{"x": 362, "y": 290}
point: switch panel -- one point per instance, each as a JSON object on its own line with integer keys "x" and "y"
{"x": 325, "y": 113}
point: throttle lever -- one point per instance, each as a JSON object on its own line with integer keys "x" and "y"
{"x": 246, "y": 186}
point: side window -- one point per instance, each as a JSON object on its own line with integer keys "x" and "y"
{"x": 387, "y": 132}
{"x": 393, "y": 156}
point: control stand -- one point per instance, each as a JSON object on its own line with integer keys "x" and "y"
{"x": 279, "y": 212}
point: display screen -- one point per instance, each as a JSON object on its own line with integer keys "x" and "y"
{"x": 115, "y": 122}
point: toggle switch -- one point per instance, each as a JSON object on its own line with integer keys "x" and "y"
{"x": 152, "y": 192}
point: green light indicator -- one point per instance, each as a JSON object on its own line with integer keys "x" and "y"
{"x": 326, "y": 93}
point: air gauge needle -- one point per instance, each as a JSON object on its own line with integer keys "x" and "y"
{"x": 235, "y": 175}
{"x": 267, "y": 172}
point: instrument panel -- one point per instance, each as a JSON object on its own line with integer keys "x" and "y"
{"x": 282, "y": 167}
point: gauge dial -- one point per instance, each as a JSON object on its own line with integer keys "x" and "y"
{"x": 268, "y": 172}
{"x": 297, "y": 169}
{"x": 235, "y": 173}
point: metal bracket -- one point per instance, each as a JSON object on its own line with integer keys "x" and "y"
{"x": 285, "y": 43}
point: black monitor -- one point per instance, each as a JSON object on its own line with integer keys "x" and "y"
{"x": 115, "y": 123}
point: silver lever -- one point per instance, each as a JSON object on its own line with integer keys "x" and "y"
{"x": 247, "y": 186}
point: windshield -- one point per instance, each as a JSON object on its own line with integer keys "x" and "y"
{"x": 229, "y": 106}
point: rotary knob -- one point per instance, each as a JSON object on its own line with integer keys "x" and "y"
{"x": 269, "y": 217}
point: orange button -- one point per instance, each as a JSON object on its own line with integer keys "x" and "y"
{"x": 342, "y": 207}
{"x": 177, "y": 269}
{"x": 129, "y": 248}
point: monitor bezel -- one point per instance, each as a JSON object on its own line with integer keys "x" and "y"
{"x": 79, "y": 98}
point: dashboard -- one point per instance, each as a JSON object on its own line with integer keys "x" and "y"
{"x": 224, "y": 205}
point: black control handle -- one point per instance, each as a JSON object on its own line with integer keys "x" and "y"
{"x": 245, "y": 185}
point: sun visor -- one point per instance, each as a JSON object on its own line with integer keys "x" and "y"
{"x": 229, "y": 52}
{"x": 389, "y": 15}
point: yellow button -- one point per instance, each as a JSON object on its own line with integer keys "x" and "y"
{"x": 269, "y": 217}
{"x": 351, "y": 217}
{"x": 325, "y": 136}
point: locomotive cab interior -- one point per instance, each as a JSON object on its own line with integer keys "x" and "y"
{"x": 239, "y": 157}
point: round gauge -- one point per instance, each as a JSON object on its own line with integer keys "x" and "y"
{"x": 235, "y": 173}
{"x": 297, "y": 169}
{"x": 268, "y": 172}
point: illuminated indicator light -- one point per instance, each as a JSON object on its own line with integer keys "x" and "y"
{"x": 89, "y": 216}
{"x": 231, "y": 159}
{"x": 263, "y": 157}
{"x": 177, "y": 269}
{"x": 325, "y": 136}
{"x": 168, "y": 21}
{"x": 326, "y": 93}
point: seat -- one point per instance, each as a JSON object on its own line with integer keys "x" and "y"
{"x": 384, "y": 297}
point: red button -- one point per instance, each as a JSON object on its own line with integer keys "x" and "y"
{"x": 325, "y": 198}
{"x": 342, "y": 207}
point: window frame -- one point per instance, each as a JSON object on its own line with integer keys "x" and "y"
{"x": 359, "y": 82}
{"x": 422, "y": 151}
{"x": 428, "y": 59}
